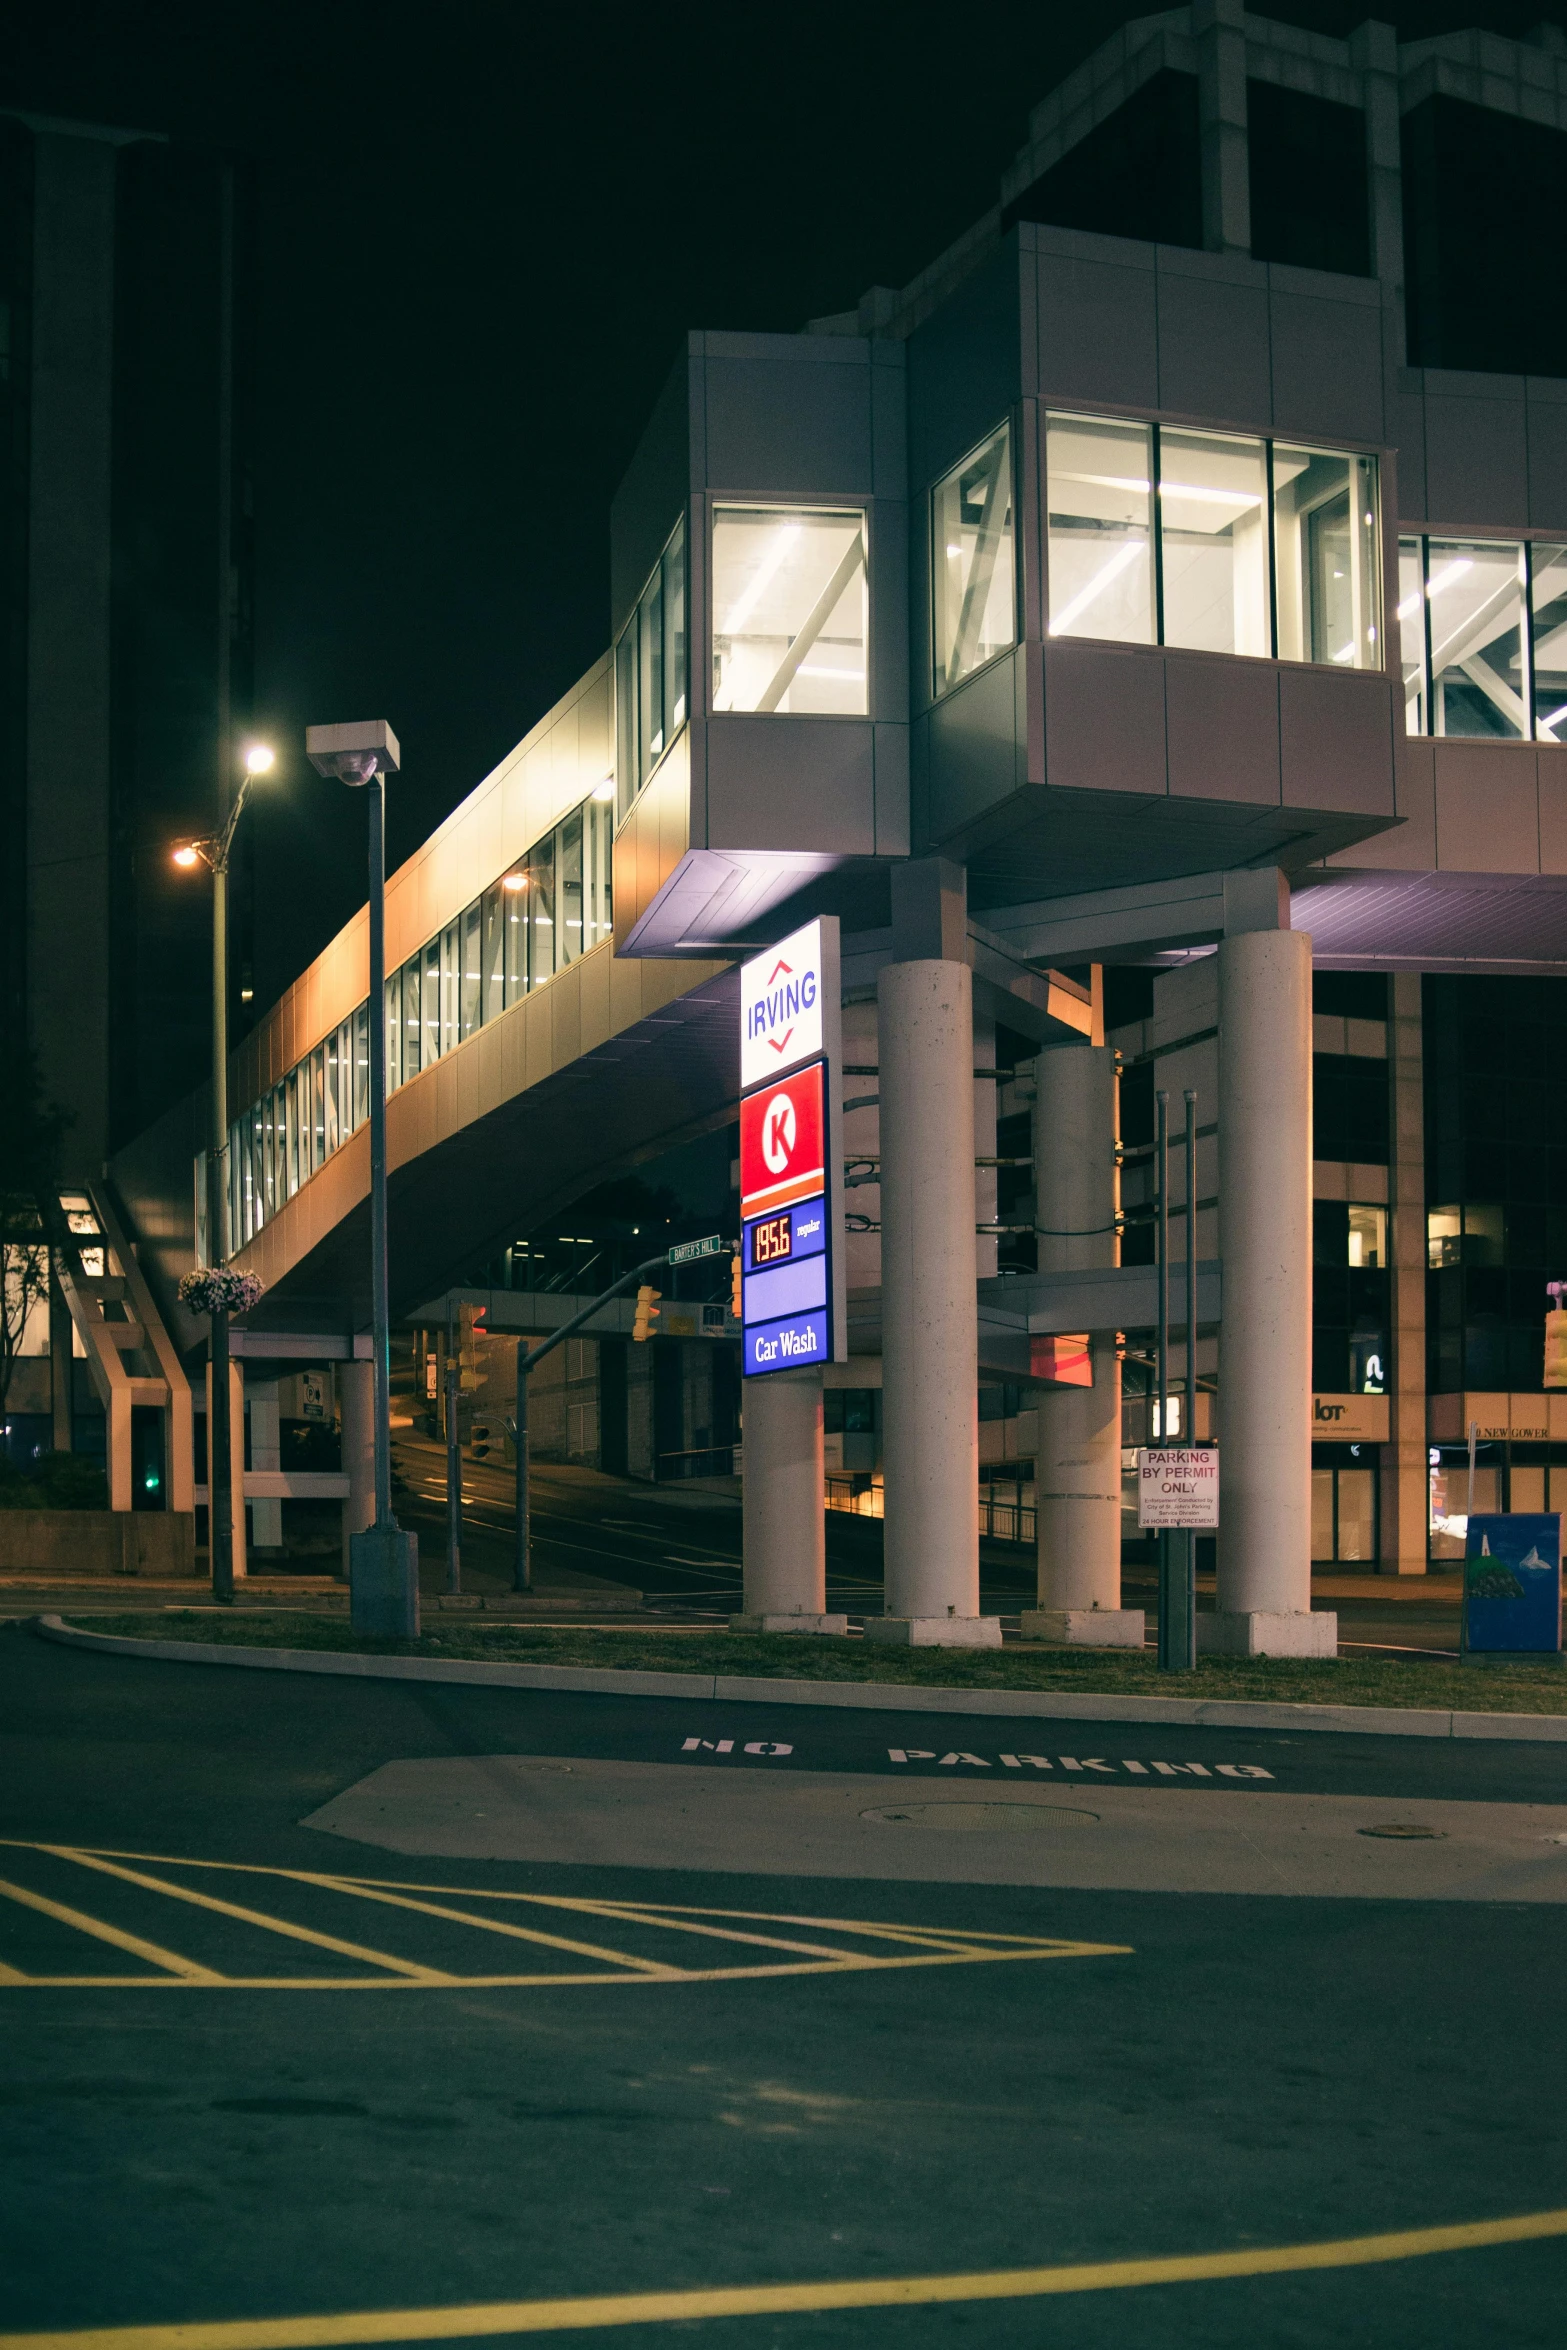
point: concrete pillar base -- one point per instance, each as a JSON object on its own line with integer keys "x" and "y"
{"x": 384, "y": 1583}
{"x": 935, "y": 1631}
{"x": 1260, "y": 1634}
{"x": 831, "y": 1625}
{"x": 1086, "y": 1627}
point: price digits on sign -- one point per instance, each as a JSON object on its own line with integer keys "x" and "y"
{"x": 772, "y": 1240}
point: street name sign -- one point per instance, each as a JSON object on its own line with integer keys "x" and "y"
{"x": 687, "y": 1251}
{"x": 1178, "y": 1486}
{"x": 791, "y": 1172}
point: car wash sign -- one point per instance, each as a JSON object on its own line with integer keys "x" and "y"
{"x": 791, "y": 1181}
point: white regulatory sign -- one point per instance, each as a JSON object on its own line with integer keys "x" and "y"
{"x": 1177, "y": 1487}
{"x": 781, "y": 1007}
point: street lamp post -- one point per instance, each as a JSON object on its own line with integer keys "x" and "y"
{"x": 383, "y": 1561}
{"x": 213, "y": 852}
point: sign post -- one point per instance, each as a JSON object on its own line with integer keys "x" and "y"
{"x": 791, "y": 1166}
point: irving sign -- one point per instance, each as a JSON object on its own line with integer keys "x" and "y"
{"x": 791, "y": 1185}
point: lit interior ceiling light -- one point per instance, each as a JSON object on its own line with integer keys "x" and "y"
{"x": 515, "y": 881}
{"x": 822, "y": 669}
{"x": 1439, "y": 580}
{"x": 1102, "y": 578}
{"x": 605, "y": 790}
{"x": 783, "y": 543}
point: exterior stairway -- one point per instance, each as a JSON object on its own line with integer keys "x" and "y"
{"x": 130, "y": 1355}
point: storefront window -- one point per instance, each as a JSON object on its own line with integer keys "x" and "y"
{"x": 1213, "y": 524}
{"x": 789, "y": 610}
{"x": 1327, "y": 557}
{"x": 973, "y": 582}
{"x": 1100, "y": 494}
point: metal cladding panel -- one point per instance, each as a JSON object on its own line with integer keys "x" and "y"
{"x": 1097, "y": 320}
{"x": 965, "y": 367}
{"x": 1477, "y": 466}
{"x": 1104, "y": 717}
{"x": 1214, "y": 357}
{"x": 1223, "y": 722}
{"x": 653, "y": 492}
{"x": 775, "y": 782}
{"x": 1336, "y": 739}
{"x": 977, "y": 745}
{"x": 789, "y": 422}
{"x": 1487, "y": 808}
{"x": 1327, "y": 358}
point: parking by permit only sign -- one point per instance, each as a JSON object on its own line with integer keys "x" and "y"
{"x": 1178, "y": 1487}
{"x": 791, "y": 1174}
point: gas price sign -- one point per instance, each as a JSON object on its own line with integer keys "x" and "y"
{"x": 790, "y": 1190}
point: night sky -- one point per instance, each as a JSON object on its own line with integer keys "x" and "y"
{"x": 483, "y": 230}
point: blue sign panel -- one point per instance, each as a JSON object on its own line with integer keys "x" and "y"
{"x": 795, "y": 1232}
{"x": 790, "y": 1345}
{"x": 1513, "y": 1583}
{"x": 786, "y": 1289}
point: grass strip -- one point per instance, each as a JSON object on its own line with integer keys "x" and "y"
{"x": 1381, "y": 1681}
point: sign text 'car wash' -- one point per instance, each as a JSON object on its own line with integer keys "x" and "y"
{"x": 791, "y": 1210}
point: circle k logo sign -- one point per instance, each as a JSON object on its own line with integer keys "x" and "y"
{"x": 779, "y": 1128}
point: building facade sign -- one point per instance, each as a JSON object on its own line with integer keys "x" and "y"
{"x": 791, "y": 1176}
{"x": 1349, "y": 1419}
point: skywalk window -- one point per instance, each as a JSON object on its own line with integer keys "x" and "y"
{"x": 973, "y": 580}
{"x": 650, "y": 672}
{"x": 1216, "y": 542}
{"x": 1483, "y": 638}
{"x": 790, "y": 610}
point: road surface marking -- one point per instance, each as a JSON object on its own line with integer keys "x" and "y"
{"x": 250, "y": 1917}
{"x": 902, "y": 1945}
{"x": 179, "y": 1969}
{"x": 337, "y": 2331}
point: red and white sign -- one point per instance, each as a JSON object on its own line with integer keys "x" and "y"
{"x": 1178, "y": 1485}
{"x": 782, "y": 998}
{"x": 781, "y": 1134}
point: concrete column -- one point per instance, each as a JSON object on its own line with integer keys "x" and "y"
{"x": 1265, "y": 1333}
{"x": 356, "y": 1397}
{"x": 1406, "y": 1473}
{"x": 1219, "y": 29}
{"x": 785, "y": 1536}
{"x": 930, "y": 1333}
{"x": 266, "y": 1516}
{"x": 1077, "y": 1474}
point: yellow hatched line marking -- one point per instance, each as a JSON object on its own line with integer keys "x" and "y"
{"x": 182, "y": 1970}
{"x": 580, "y": 2313}
{"x": 461, "y": 1917}
{"x": 666, "y": 1922}
{"x": 251, "y": 1917}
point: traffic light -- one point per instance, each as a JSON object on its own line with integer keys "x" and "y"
{"x": 735, "y": 1265}
{"x": 1556, "y": 1337}
{"x": 647, "y": 1311}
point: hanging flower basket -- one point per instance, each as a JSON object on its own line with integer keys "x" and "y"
{"x": 217, "y": 1291}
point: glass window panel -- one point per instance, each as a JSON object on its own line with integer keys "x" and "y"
{"x": 451, "y": 985}
{"x": 235, "y": 1157}
{"x": 569, "y": 892}
{"x": 333, "y": 1073}
{"x": 1214, "y": 542}
{"x": 675, "y": 632}
{"x": 1322, "y": 1513}
{"x": 291, "y": 1115}
{"x": 1475, "y": 593}
{"x": 317, "y": 1107}
{"x": 1326, "y": 554}
{"x": 470, "y": 1009}
{"x": 514, "y": 890}
{"x": 413, "y": 1025}
{"x": 362, "y": 1064}
{"x": 345, "y": 1079}
{"x": 597, "y": 859}
{"x": 430, "y": 1034}
{"x": 1549, "y": 575}
{"x": 541, "y": 911}
{"x": 1357, "y": 1514}
{"x": 1368, "y": 1238}
{"x": 972, "y": 575}
{"x": 627, "y": 767}
{"x": 1412, "y": 635}
{"x": 281, "y": 1185}
{"x": 394, "y": 1034}
{"x": 789, "y": 610}
{"x": 1100, "y": 498}
{"x": 650, "y": 673}
{"x": 492, "y": 953}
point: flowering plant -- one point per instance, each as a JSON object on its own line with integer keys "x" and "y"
{"x": 215, "y": 1290}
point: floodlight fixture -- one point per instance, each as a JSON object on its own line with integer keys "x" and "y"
{"x": 354, "y": 752}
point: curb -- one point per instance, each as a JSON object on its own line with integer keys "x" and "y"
{"x": 1221, "y": 1713}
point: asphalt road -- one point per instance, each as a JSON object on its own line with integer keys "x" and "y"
{"x": 394, "y": 2075}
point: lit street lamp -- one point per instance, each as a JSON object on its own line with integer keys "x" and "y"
{"x": 383, "y": 1561}
{"x": 213, "y": 852}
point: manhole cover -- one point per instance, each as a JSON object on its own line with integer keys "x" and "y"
{"x": 977, "y": 1815}
{"x": 1406, "y": 1831}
